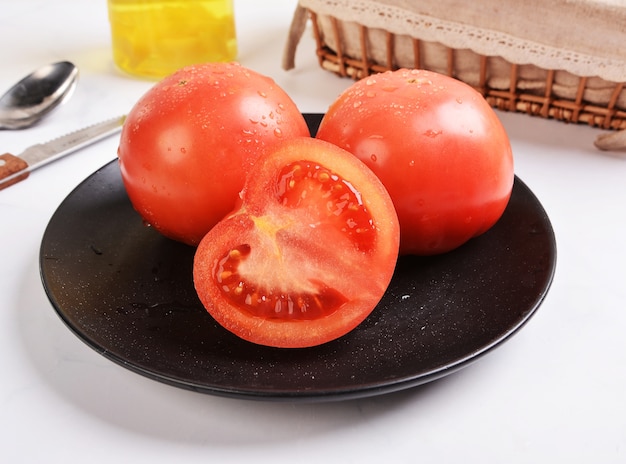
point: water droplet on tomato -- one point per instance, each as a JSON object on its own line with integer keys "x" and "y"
{"x": 183, "y": 150}
{"x": 432, "y": 133}
{"x": 411, "y": 163}
{"x": 278, "y": 132}
{"x": 356, "y": 104}
{"x": 371, "y": 94}
{"x": 262, "y": 94}
{"x": 373, "y": 157}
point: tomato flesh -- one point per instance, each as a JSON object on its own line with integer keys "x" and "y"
{"x": 308, "y": 254}
{"x": 263, "y": 302}
{"x": 328, "y": 197}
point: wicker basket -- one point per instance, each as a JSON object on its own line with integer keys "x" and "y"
{"x": 354, "y": 50}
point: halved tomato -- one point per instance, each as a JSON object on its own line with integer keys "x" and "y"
{"x": 308, "y": 254}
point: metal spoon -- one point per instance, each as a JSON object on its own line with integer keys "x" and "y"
{"x": 37, "y": 94}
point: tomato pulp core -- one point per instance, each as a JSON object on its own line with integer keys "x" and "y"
{"x": 265, "y": 302}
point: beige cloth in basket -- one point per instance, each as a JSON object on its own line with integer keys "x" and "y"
{"x": 574, "y": 37}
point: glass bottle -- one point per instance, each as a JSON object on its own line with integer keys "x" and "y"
{"x": 154, "y": 38}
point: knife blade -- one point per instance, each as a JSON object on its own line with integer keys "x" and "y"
{"x": 14, "y": 169}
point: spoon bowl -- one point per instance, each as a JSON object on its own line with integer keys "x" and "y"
{"x": 37, "y": 94}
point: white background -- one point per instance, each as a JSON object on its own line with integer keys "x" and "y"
{"x": 554, "y": 393}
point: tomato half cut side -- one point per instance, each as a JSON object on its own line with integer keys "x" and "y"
{"x": 308, "y": 254}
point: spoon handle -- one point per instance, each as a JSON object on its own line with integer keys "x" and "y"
{"x": 10, "y": 165}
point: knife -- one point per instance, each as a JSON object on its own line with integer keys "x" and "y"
{"x": 14, "y": 169}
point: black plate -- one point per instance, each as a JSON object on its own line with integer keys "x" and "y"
{"x": 127, "y": 292}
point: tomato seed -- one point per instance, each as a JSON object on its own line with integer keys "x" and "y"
{"x": 323, "y": 177}
{"x": 234, "y": 254}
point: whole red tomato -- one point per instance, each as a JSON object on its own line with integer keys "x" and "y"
{"x": 188, "y": 143}
{"x": 437, "y": 146}
{"x": 308, "y": 254}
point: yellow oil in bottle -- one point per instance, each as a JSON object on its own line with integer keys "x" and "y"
{"x": 154, "y": 38}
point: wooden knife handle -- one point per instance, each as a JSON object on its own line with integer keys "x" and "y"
{"x": 9, "y": 165}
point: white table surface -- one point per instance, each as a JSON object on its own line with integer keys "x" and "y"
{"x": 555, "y": 392}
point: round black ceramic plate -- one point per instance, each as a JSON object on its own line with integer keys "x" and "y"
{"x": 127, "y": 292}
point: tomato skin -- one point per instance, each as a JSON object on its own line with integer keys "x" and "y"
{"x": 437, "y": 146}
{"x": 187, "y": 144}
{"x": 278, "y": 250}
